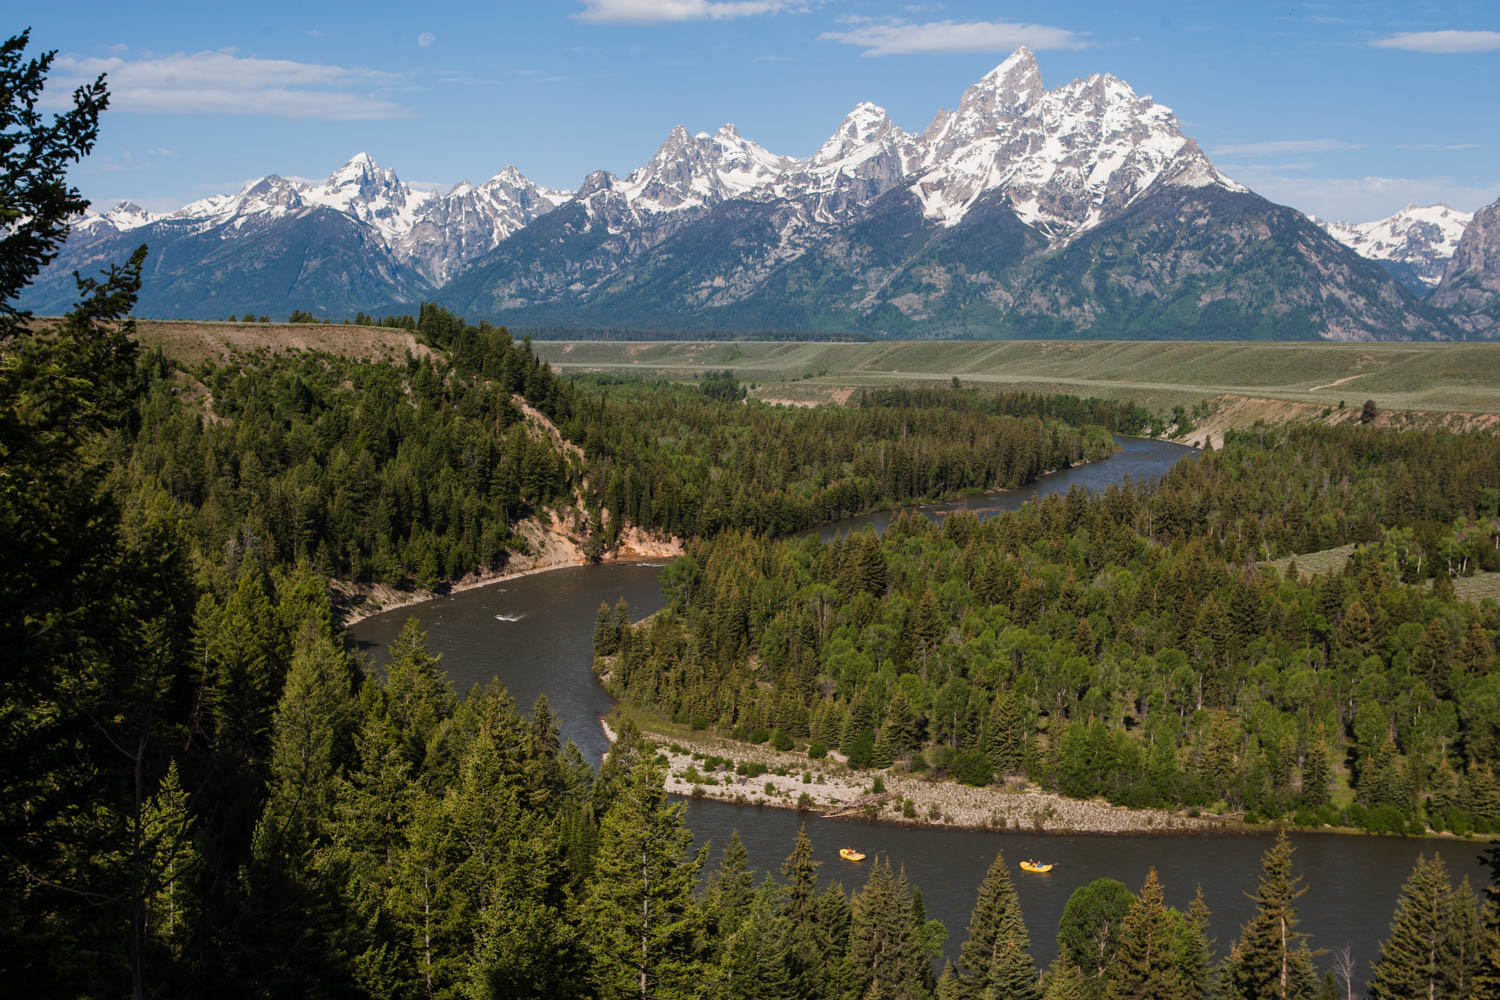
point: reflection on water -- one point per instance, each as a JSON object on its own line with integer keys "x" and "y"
{"x": 535, "y": 633}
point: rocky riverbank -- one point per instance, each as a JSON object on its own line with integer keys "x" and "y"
{"x": 711, "y": 767}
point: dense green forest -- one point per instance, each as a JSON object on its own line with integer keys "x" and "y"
{"x": 419, "y": 474}
{"x": 1128, "y": 645}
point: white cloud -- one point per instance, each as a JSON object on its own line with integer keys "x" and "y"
{"x": 223, "y": 83}
{"x": 1363, "y": 199}
{"x": 890, "y": 38}
{"x": 1286, "y": 147}
{"x": 427, "y": 39}
{"x": 657, "y": 11}
{"x": 1441, "y": 42}
{"x": 1438, "y": 147}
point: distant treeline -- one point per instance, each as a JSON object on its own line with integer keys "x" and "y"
{"x": 1116, "y": 416}
{"x": 628, "y": 334}
{"x": 609, "y": 333}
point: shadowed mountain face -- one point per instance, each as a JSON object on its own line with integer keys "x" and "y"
{"x": 1470, "y": 289}
{"x": 1077, "y": 211}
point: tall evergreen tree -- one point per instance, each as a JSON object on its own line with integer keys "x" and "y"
{"x": 885, "y": 952}
{"x": 418, "y": 696}
{"x": 996, "y": 954}
{"x": 1465, "y": 940}
{"x": 754, "y": 964}
{"x": 1147, "y": 961}
{"x": 1421, "y": 957}
{"x": 1271, "y": 961}
{"x": 731, "y": 889}
{"x": 1196, "y": 951}
{"x": 639, "y": 909}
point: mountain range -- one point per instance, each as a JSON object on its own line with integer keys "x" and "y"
{"x": 1081, "y": 211}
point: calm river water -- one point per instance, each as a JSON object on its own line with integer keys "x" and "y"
{"x": 535, "y": 633}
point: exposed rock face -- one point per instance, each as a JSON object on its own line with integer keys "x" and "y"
{"x": 1081, "y": 210}
{"x": 469, "y": 221}
{"x": 1470, "y": 289}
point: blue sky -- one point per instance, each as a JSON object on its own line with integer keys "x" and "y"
{"x": 1342, "y": 110}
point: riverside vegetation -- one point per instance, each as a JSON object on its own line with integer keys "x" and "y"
{"x": 202, "y": 792}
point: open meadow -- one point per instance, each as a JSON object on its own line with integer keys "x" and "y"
{"x": 1448, "y": 377}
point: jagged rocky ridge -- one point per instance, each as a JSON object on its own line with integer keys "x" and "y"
{"x": 1077, "y": 211}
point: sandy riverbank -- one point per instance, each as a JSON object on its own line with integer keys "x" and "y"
{"x": 832, "y": 789}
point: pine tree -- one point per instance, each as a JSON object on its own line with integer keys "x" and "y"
{"x": 996, "y": 955}
{"x": 525, "y": 941}
{"x": 1271, "y": 961}
{"x": 731, "y": 890}
{"x": 173, "y": 865}
{"x": 639, "y": 909}
{"x": 1007, "y": 737}
{"x": 606, "y": 642}
{"x": 1487, "y": 958}
{"x": 1465, "y": 940}
{"x": 1065, "y": 981}
{"x": 1196, "y": 951}
{"x": 374, "y": 809}
{"x": 885, "y": 952}
{"x": 1316, "y": 775}
{"x": 1419, "y": 958}
{"x": 311, "y": 742}
{"x": 900, "y": 727}
{"x": 754, "y": 964}
{"x": 801, "y": 874}
{"x": 418, "y": 696}
{"x": 1146, "y": 963}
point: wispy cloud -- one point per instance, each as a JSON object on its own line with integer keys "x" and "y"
{"x": 1438, "y": 147}
{"x": 224, "y": 83}
{"x": 426, "y": 40}
{"x": 1441, "y": 42}
{"x": 890, "y": 38}
{"x": 1286, "y": 147}
{"x": 658, "y": 11}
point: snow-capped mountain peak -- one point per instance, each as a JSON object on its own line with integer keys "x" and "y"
{"x": 123, "y": 217}
{"x": 858, "y": 136}
{"x": 1416, "y": 243}
{"x": 1066, "y": 158}
{"x": 691, "y": 171}
{"x": 373, "y": 195}
{"x": 1009, "y": 88}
